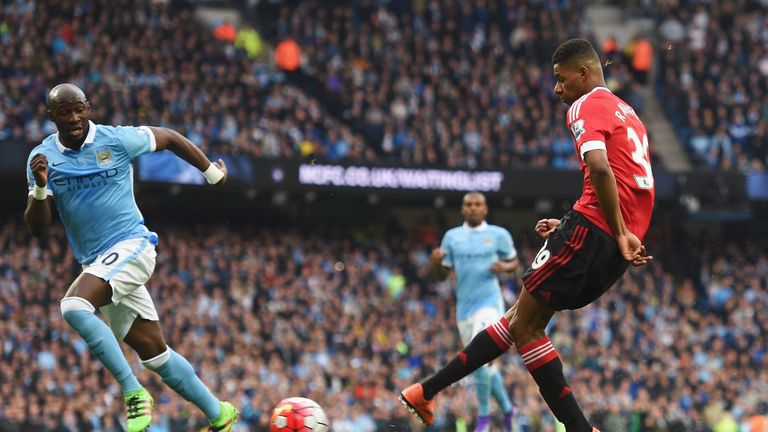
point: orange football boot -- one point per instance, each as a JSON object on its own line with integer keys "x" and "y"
{"x": 413, "y": 399}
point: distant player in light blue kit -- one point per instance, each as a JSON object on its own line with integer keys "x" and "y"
{"x": 85, "y": 171}
{"x": 477, "y": 253}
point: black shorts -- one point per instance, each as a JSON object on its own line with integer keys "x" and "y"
{"x": 577, "y": 264}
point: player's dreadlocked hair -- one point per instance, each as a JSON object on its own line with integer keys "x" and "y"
{"x": 574, "y": 50}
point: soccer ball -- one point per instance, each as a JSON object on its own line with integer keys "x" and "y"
{"x": 297, "y": 414}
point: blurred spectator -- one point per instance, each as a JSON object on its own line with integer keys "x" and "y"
{"x": 641, "y": 55}
{"x": 225, "y": 32}
{"x": 288, "y": 55}
{"x": 249, "y": 40}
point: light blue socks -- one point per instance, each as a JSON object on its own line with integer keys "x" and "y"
{"x": 103, "y": 345}
{"x": 499, "y": 391}
{"x": 483, "y": 389}
{"x": 174, "y": 369}
{"x": 179, "y": 375}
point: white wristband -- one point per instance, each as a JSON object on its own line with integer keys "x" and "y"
{"x": 213, "y": 174}
{"x": 39, "y": 193}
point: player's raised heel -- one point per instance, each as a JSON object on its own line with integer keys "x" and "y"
{"x": 139, "y": 406}
{"x": 413, "y": 399}
{"x": 227, "y": 419}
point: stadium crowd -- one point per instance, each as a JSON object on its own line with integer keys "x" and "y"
{"x": 440, "y": 82}
{"x": 714, "y": 75}
{"x": 346, "y": 318}
{"x": 155, "y": 62}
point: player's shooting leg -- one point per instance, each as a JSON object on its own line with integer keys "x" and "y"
{"x": 146, "y": 337}
{"x": 486, "y": 346}
{"x": 78, "y": 307}
{"x": 527, "y": 326}
{"x": 527, "y": 319}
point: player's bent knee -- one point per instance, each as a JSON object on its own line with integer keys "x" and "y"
{"x": 69, "y": 305}
{"x": 79, "y": 313}
{"x": 524, "y": 332}
{"x": 146, "y": 338}
{"x": 156, "y": 362}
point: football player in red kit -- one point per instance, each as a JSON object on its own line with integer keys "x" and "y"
{"x": 584, "y": 253}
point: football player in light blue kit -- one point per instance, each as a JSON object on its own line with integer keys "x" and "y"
{"x": 477, "y": 253}
{"x": 85, "y": 171}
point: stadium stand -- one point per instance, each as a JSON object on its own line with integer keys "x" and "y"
{"x": 213, "y": 93}
{"x": 656, "y": 354}
{"x": 714, "y": 70}
{"x": 371, "y": 76}
{"x": 443, "y": 82}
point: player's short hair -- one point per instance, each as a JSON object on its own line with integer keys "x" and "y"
{"x": 477, "y": 193}
{"x": 573, "y": 51}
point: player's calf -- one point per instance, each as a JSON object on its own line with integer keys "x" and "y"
{"x": 179, "y": 375}
{"x": 544, "y": 365}
{"x": 486, "y": 346}
{"x": 482, "y": 378}
{"x": 79, "y": 313}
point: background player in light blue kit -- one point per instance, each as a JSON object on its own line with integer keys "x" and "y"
{"x": 477, "y": 253}
{"x": 85, "y": 171}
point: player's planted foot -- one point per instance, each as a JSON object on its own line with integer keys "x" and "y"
{"x": 227, "y": 419}
{"x": 483, "y": 424}
{"x": 413, "y": 399}
{"x": 139, "y": 405}
{"x": 509, "y": 419}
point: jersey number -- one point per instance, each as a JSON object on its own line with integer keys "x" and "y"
{"x": 640, "y": 156}
{"x": 541, "y": 257}
{"x": 110, "y": 259}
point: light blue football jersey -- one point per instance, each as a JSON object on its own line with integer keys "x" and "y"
{"x": 93, "y": 188}
{"x": 470, "y": 253}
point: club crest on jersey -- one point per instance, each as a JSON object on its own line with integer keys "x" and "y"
{"x": 487, "y": 241}
{"x": 104, "y": 158}
{"x": 577, "y": 128}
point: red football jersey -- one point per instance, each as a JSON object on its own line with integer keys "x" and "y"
{"x": 601, "y": 120}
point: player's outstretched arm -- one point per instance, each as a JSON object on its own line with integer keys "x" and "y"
{"x": 214, "y": 172}
{"x": 603, "y": 180}
{"x": 37, "y": 215}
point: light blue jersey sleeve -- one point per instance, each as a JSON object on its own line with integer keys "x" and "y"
{"x": 137, "y": 140}
{"x": 505, "y": 246}
{"x": 446, "y": 247}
